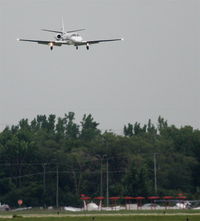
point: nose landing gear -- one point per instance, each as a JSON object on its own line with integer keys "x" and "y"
{"x": 87, "y": 46}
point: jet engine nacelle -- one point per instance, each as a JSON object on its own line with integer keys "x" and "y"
{"x": 58, "y": 37}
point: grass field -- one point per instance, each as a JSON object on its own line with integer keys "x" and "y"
{"x": 55, "y": 215}
{"x": 113, "y": 212}
{"x": 111, "y": 218}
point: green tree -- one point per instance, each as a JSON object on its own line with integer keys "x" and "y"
{"x": 89, "y": 128}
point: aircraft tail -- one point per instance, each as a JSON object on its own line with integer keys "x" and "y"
{"x": 63, "y": 27}
{"x": 62, "y": 31}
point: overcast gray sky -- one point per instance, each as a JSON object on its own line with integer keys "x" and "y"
{"x": 154, "y": 71}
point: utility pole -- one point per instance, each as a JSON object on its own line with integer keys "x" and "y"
{"x": 101, "y": 172}
{"x": 107, "y": 183}
{"x": 155, "y": 173}
{"x": 101, "y": 184}
{"x": 44, "y": 183}
{"x": 57, "y": 183}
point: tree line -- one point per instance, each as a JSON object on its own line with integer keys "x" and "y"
{"x": 53, "y": 160}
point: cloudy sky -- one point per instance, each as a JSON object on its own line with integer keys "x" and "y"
{"x": 154, "y": 71}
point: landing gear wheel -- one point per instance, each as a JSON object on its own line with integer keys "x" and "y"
{"x": 76, "y": 47}
{"x": 50, "y": 45}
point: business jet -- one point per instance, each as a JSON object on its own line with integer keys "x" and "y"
{"x": 68, "y": 38}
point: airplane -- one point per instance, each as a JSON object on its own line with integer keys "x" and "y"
{"x": 68, "y": 38}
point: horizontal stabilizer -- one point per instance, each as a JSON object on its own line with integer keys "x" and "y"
{"x": 52, "y": 31}
{"x": 75, "y": 30}
{"x": 61, "y": 32}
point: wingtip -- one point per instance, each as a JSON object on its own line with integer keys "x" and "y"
{"x": 122, "y": 39}
{"x": 18, "y": 39}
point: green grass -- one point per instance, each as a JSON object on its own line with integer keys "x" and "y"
{"x": 134, "y": 215}
{"x": 124, "y": 212}
{"x": 112, "y": 218}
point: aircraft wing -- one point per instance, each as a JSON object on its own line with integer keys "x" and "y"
{"x": 56, "y": 43}
{"x": 99, "y": 41}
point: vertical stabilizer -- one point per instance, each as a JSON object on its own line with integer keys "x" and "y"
{"x": 63, "y": 28}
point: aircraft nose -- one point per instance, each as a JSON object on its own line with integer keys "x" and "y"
{"x": 77, "y": 39}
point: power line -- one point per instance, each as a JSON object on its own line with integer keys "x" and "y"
{"x": 61, "y": 172}
{"x": 62, "y": 164}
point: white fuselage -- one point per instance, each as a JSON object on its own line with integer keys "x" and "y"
{"x": 70, "y": 39}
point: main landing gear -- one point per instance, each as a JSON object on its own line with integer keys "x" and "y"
{"x": 87, "y": 47}
{"x": 51, "y": 45}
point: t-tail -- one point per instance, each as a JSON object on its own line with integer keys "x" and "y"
{"x": 63, "y": 26}
{"x": 62, "y": 31}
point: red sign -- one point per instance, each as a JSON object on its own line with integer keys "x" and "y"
{"x": 19, "y": 202}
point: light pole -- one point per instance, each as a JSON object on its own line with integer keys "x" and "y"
{"x": 107, "y": 175}
{"x": 57, "y": 183}
{"x": 155, "y": 173}
{"x": 44, "y": 183}
{"x": 101, "y": 181}
{"x": 101, "y": 173}
{"x": 107, "y": 183}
